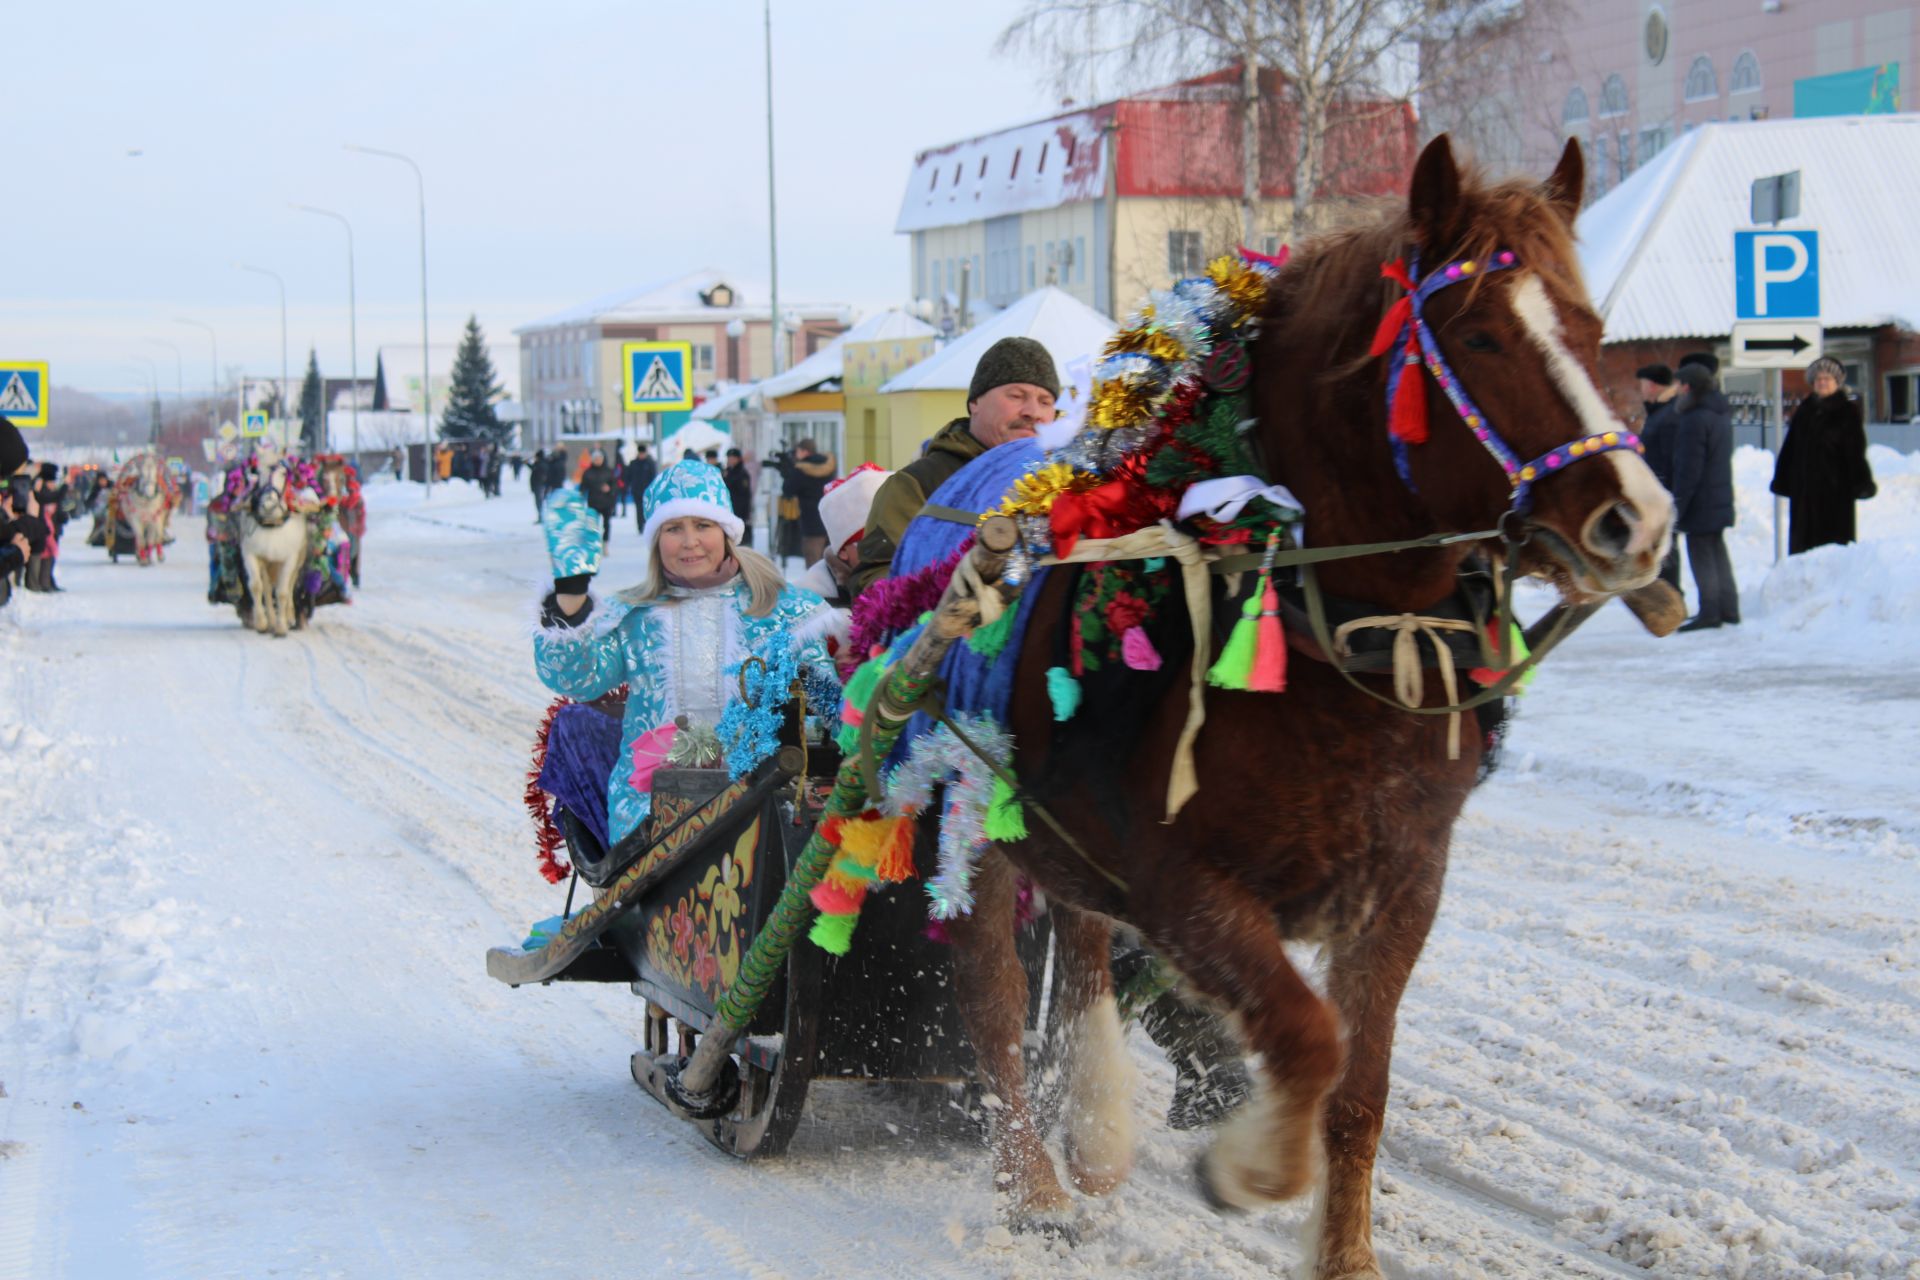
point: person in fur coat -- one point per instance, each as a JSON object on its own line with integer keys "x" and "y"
{"x": 1822, "y": 470}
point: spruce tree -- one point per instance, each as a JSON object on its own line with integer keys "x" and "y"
{"x": 313, "y": 413}
{"x": 379, "y": 383}
{"x": 469, "y": 414}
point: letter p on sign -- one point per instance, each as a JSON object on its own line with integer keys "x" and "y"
{"x": 1776, "y": 275}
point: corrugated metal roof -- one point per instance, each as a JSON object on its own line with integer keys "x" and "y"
{"x": 1658, "y": 249}
{"x": 1067, "y": 327}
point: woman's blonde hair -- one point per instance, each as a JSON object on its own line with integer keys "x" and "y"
{"x": 762, "y": 576}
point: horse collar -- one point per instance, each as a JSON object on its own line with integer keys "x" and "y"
{"x": 1405, "y": 328}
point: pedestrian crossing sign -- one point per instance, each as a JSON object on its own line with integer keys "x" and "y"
{"x": 255, "y": 423}
{"x": 658, "y": 375}
{"x": 23, "y": 392}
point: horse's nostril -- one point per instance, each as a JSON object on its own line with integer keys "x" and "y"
{"x": 1612, "y": 532}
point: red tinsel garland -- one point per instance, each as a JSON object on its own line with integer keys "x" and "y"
{"x": 547, "y": 837}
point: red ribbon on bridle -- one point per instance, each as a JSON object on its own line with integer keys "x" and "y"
{"x": 1409, "y": 419}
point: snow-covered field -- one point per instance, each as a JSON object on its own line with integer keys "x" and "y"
{"x": 1668, "y": 1023}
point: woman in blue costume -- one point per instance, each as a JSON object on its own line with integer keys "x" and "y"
{"x": 677, "y": 641}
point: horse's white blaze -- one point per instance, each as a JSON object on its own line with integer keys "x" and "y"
{"x": 1537, "y": 316}
{"x": 1100, "y": 1095}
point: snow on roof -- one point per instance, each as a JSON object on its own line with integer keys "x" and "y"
{"x": 824, "y": 365}
{"x": 1031, "y": 166}
{"x": 1064, "y": 325}
{"x": 680, "y": 300}
{"x": 1658, "y": 249}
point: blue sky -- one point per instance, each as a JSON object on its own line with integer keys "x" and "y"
{"x": 569, "y": 148}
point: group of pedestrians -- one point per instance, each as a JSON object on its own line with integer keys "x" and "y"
{"x": 1822, "y": 471}
{"x": 31, "y": 517}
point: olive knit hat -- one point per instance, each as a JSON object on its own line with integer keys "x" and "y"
{"x": 1013, "y": 360}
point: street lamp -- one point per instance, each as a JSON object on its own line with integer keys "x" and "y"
{"x": 213, "y": 387}
{"x": 426, "y": 361}
{"x": 153, "y": 392}
{"x": 275, "y": 276}
{"x": 353, "y": 330}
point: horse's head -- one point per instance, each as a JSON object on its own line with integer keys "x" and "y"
{"x": 268, "y": 501}
{"x": 1480, "y": 384}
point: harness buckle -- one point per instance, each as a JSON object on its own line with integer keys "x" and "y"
{"x": 1513, "y": 519}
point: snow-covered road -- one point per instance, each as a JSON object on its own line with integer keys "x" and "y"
{"x": 1668, "y": 1024}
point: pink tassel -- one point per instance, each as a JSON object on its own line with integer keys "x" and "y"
{"x": 1270, "y": 652}
{"x": 649, "y": 753}
{"x": 1138, "y": 651}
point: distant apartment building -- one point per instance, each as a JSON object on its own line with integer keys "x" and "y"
{"x": 570, "y": 363}
{"x": 1110, "y": 201}
{"x": 1627, "y": 77}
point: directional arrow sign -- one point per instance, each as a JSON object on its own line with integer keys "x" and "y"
{"x": 1783, "y": 345}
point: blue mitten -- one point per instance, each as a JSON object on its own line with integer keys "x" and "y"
{"x": 573, "y": 533}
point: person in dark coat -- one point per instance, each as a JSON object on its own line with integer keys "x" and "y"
{"x": 803, "y": 479}
{"x": 640, "y": 474}
{"x": 1822, "y": 470}
{"x": 537, "y": 481}
{"x": 1659, "y": 389}
{"x": 598, "y": 484}
{"x": 1703, "y": 494}
{"x": 740, "y": 491}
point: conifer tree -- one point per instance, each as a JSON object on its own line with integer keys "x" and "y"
{"x": 379, "y": 383}
{"x": 313, "y": 428}
{"x": 469, "y": 414}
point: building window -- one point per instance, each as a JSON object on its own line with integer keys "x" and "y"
{"x": 1613, "y": 98}
{"x": 1702, "y": 84}
{"x": 1184, "y": 257}
{"x": 1575, "y": 110}
{"x": 934, "y": 180}
{"x": 1270, "y": 246}
{"x": 703, "y": 357}
{"x": 1903, "y": 396}
{"x": 1033, "y": 274}
{"x": 1053, "y": 263}
{"x": 983, "y": 168}
{"x": 1623, "y": 158}
{"x": 1013, "y": 170}
{"x": 1746, "y": 74}
{"x": 1041, "y": 167}
{"x": 1652, "y": 142}
{"x": 956, "y": 173}
{"x": 1080, "y": 258}
{"x": 1072, "y": 142}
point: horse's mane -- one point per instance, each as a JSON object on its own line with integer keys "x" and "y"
{"x": 1331, "y": 285}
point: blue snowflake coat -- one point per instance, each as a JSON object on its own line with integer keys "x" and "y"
{"x": 624, "y": 642}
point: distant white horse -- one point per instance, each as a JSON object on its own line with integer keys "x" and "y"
{"x": 273, "y": 549}
{"x": 145, "y": 496}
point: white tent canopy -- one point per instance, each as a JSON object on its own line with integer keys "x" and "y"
{"x": 1067, "y": 327}
{"x": 1657, "y": 250}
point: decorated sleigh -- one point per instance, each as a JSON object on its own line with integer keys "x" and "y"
{"x": 326, "y": 578}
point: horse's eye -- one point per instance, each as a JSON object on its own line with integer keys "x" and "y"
{"x": 1481, "y": 341}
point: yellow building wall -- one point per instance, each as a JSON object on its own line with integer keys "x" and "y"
{"x": 1141, "y": 225}
{"x": 915, "y": 417}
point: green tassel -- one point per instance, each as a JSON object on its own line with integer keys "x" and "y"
{"x": 990, "y": 640}
{"x": 833, "y": 934}
{"x": 864, "y": 681}
{"x": 1517, "y": 642}
{"x": 1006, "y": 821}
{"x": 1235, "y": 665}
{"x": 1064, "y": 692}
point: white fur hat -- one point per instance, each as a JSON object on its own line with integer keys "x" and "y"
{"x": 689, "y": 488}
{"x": 844, "y": 506}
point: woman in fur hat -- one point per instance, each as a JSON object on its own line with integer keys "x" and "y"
{"x": 677, "y": 640}
{"x": 1822, "y": 470}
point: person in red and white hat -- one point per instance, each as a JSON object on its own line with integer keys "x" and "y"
{"x": 843, "y": 509}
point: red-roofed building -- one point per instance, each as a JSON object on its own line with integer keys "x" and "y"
{"x": 1110, "y": 201}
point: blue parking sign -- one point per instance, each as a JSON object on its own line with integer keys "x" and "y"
{"x": 1776, "y": 275}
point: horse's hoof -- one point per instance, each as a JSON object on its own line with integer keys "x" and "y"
{"x": 1210, "y": 1193}
{"x": 1047, "y": 1227}
{"x": 1094, "y": 1181}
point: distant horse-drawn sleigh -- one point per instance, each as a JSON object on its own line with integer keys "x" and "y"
{"x": 138, "y": 511}
{"x": 275, "y": 551}
{"x": 1219, "y": 658}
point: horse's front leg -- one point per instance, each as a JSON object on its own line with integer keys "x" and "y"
{"x": 990, "y": 987}
{"x": 1223, "y": 938}
{"x": 283, "y": 606}
{"x": 260, "y": 588}
{"x": 1101, "y": 1081}
{"x": 1366, "y": 977}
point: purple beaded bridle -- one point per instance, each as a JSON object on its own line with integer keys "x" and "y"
{"x": 1404, "y": 335}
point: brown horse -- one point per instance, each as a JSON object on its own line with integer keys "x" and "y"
{"x": 1322, "y": 815}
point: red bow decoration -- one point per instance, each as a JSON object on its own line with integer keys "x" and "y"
{"x": 1409, "y": 421}
{"x": 1276, "y": 261}
{"x": 1123, "y": 503}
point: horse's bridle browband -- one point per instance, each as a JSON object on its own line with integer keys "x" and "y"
{"x": 1404, "y": 329}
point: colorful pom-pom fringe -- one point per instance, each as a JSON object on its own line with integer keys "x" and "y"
{"x": 1064, "y": 692}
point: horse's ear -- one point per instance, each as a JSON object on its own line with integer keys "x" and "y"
{"x": 1433, "y": 200}
{"x": 1568, "y": 179}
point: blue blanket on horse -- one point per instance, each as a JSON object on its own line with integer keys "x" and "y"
{"x": 975, "y": 685}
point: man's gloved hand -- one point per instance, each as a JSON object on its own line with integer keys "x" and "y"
{"x": 573, "y": 539}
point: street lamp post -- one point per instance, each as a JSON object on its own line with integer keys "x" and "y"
{"x": 153, "y": 393}
{"x": 426, "y": 361}
{"x": 353, "y": 330}
{"x": 275, "y": 276}
{"x": 213, "y": 387}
